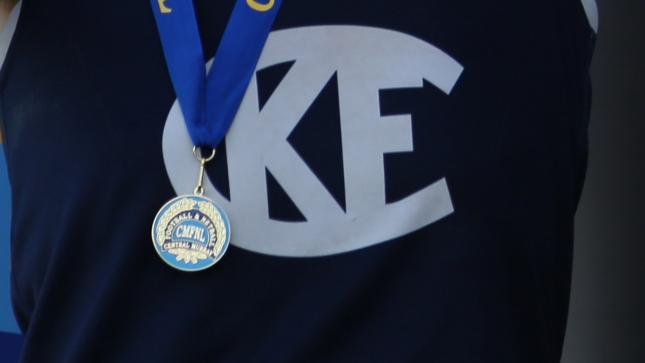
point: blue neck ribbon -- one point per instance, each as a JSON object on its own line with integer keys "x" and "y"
{"x": 210, "y": 102}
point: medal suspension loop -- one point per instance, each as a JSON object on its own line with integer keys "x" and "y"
{"x": 198, "y": 152}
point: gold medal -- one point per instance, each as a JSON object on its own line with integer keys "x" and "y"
{"x": 190, "y": 232}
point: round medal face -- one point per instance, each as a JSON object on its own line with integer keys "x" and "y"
{"x": 190, "y": 233}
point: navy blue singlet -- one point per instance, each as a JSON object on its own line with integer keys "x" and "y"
{"x": 401, "y": 178}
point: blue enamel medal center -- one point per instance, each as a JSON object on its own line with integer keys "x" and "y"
{"x": 191, "y": 233}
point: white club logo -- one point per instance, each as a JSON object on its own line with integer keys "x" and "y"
{"x": 365, "y": 60}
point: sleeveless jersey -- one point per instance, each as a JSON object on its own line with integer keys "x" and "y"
{"x": 401, "y": 178}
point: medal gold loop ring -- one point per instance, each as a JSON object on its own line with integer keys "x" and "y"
{"x": 197, "y": 151}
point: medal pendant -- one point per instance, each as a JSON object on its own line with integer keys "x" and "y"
{"x": 190, "y": 232}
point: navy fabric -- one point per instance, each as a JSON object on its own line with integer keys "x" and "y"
{"x": 10, "y": 345}
{"x": 84, "y": 99}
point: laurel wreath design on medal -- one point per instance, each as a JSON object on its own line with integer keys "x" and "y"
{"x": 180, "y": 206}
{"x": 211, "y": 221}
{"x": 222, "y": 232}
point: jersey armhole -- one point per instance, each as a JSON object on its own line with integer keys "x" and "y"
{"x": 6, "y": 36}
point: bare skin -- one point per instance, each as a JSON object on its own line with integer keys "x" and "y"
{"x": 5, "y": 9}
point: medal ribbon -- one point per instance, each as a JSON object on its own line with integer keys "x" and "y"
{"x": 210, "y": 102}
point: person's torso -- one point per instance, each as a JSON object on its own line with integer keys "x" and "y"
{"x": 401, "y": 180}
